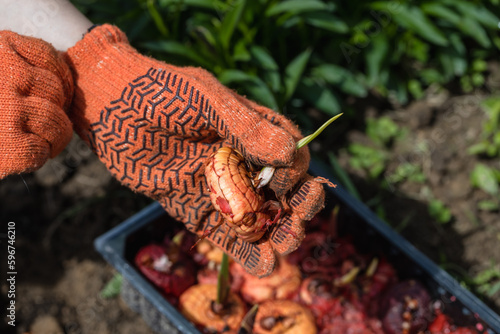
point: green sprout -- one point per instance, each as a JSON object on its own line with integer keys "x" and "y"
{"x": 266, "y": 173}
{"x": 222, "y": 283}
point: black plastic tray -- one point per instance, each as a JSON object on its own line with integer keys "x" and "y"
{"x": 119, "y": 245}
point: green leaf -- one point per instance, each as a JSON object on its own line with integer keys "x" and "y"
{"x": 479, "y": 65}
{"x": 457, "y": 44}
{"x": 205, "y": 36}
{"x": 397, "y": 90}
{"x": 486, "y": 275}
{"x": 407, "y": 171}
{"x": 488, "y": 205}
{"x": 223, "y": 285}
{"x": 352, "y": 86}
{"x": 375, "y": 57}
{"x": 231, "y": 19}
{"x": 431, "y": 75}
{"x": 369, "y": 159}
{"x": 341, "y": 77}
{"x": 381, "y": 130}
{"x": 333, "y": 74}
{"x": 416, "y": 48}
{"x": 137, "y": 30}
{"x": 470, "y": 26}
{"x": 307, "y": 139}
{"x": 319, "y": 96}
{"x": 477, "y": 79}
{"x": 294, "y": 71}
{"x": 228, "y": 77}
{"x": 113, "y": 287}
{"x": 263, "y": 58}
{"x": 342, "y": 176}
{"x": 297, "y": 6}
{"x": 415, "y": 89}
{"x": 446, "y": 60}
{"x": 157, "y": 18}
{"x": 327, "y": 22}
{"x": 492, "y": 103}
{"x": 478, "y": 13}
{"x": 176, "y": 48}
{"x": 415, "y": 20}
{"x": 258, "y": 90}
{"x": 478, "y": 148}
{"x": 439, "y": 211}
{"x": 208, "y": 4}
{"x": 240, "y": 51}
{"x": 493, "y": 289}
{"x": 484, "y": 178}
{"x": 441, "y": 11}
{"x": 459, "y": 66}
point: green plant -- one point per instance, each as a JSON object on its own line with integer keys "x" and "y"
{"x": 407, "y": 171}
{"x": 484, "y": 177}
{"x": 290, "y": 54}
{"x": 341, "y": 175}
{"x": 372, "y": 160}
{"x": 487, "y": 179}
{"x": 474, "y": 77}
{"x": 439, "y": 211}
{"x": 113, "y": 287}
{"x": 487, "y": 281}
{"x": 490, "y": 134}
{"x": 383, "y": 130}
{"x": 223, "y": 285}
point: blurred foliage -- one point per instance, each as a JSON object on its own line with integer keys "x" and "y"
{"x": 482, "y": 176}
{"x": 488, "y": 280}
{"x": 407, "y": 171}
{"x": 488, "y": 180}
{"x": 439, "y": 211}
{"x": 113, "y": 287}
{"x": 383, "y": 130}
{"x": 490, "y": 136}
{"x": 292, "y": 54}
{"x": 373, "y": 159}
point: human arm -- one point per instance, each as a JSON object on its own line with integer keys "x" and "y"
{"x": 154, "y": 125}
{"x": 57, "y": 22}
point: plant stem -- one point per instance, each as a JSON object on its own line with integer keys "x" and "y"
{"x": 248, "y": 321}
{"x": 306, "y": 140}
{"x": 223, "y": 281}
{"x": 266, "y": 173}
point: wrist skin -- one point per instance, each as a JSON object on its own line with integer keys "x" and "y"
{"x": 55, "y": 21}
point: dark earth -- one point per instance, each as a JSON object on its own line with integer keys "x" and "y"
{"x": 59, "y": 210}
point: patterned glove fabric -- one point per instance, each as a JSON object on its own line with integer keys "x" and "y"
{"x": 35, "y": 88}
{"x": 154, "y": 126}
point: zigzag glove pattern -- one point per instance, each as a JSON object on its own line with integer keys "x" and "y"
{"x": 154, "y": 125}
{"x": 35, "y": 90}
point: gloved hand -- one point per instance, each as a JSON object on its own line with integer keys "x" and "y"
{"x": 35, "y": 89}
{"x": 154, "y": 125}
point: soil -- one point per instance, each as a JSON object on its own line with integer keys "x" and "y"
{"x": 59, "y": 210}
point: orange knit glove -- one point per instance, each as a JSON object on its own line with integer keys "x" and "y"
{"x": 35, "y": 88}
{"x": 154, "y": 126}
